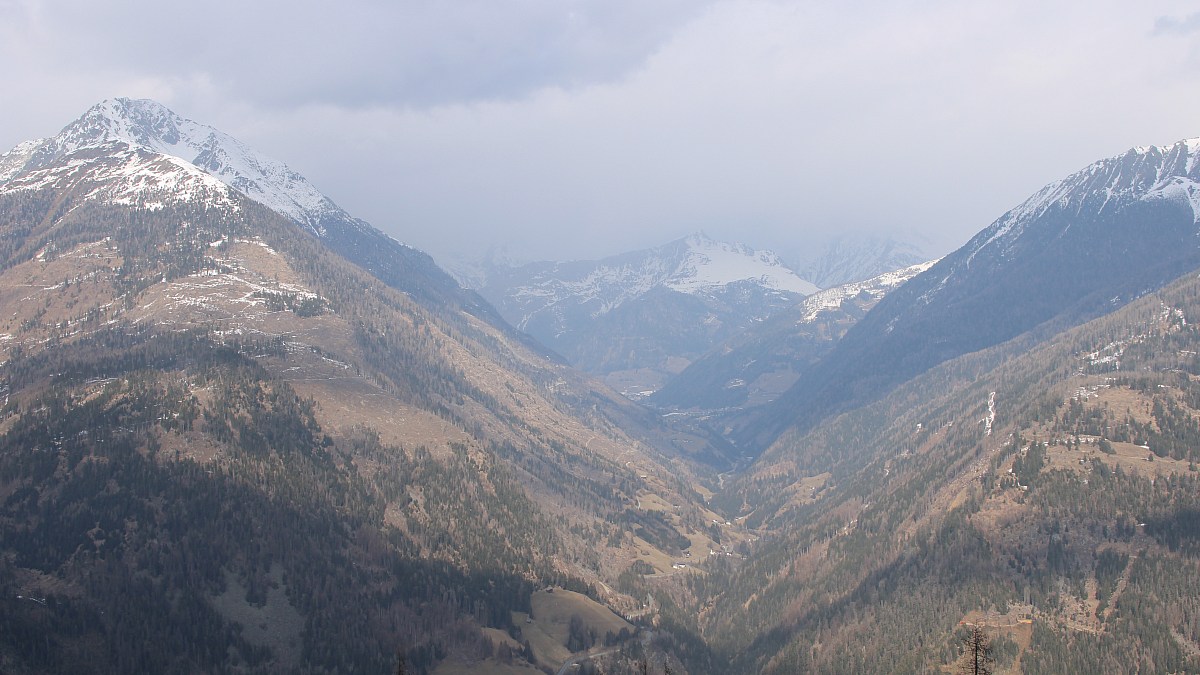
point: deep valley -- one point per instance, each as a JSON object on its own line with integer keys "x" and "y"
{"x": 244, "y": 431}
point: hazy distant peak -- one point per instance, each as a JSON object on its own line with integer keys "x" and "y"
{"x": 700, "y": 239}
{"x": 856, "y": 257}
{"x": 708, "y": 264}
{"x": 695, "y": 264}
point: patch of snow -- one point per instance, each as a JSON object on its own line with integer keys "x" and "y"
{"x": 991, "y": 416}
{"x": 257, "y": 241}
{"x": 832, "y": 298}
{"x": 1179, "y": 188}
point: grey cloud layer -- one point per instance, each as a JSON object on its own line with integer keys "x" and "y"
{"x": 413, "y": 52}
{"x": 570, "y": 128}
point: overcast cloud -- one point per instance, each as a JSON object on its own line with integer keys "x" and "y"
{"x": 581, "y": 128}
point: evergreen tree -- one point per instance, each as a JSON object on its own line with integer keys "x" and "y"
{"x": 977, "y": 653}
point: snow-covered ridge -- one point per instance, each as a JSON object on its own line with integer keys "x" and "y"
{"x": 1153, "y": 172}
{"x": 129, "y": 176}
{"x": 832, "y": 298}
{"x": 149, "y": 125}
{"x": 695, "y": 265}
{"x": 13, "y": 161}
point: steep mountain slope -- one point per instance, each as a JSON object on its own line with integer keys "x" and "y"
{"x": 759, "y": 364}
{"x": 641, "y": 316}
{"x": 213, "y": 423}
{"x": 1048, "y": 493}
{"x": 1077, "y": 249}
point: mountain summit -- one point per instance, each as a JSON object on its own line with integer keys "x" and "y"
{"x": 695, "y": 265}
{"x": 138, "y": 152}
{"x": 148, "y": 124}
{"x": 1145, "y": 177}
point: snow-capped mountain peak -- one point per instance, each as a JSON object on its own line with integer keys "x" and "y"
{"x": 139, "y": 154}
{"x": 1144, "y": 173}
{"x": 709, "y": 265}
{"x": 151, "y": 126}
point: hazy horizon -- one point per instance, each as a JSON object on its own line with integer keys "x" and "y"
{"x": 584, "y": 129}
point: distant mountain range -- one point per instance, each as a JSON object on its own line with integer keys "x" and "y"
{"x": 760, "y": 363}
{"x": 640, "y": 317}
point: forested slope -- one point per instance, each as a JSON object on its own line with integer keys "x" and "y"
{"x": 210, "y": 414}
{"x": 1050, "y": 495}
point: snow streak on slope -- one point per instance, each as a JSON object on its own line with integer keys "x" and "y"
{"x": 147, "y": 124}
{"x": 879, "y": 286}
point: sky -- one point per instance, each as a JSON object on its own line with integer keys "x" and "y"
{"x": 576, "y": 129}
